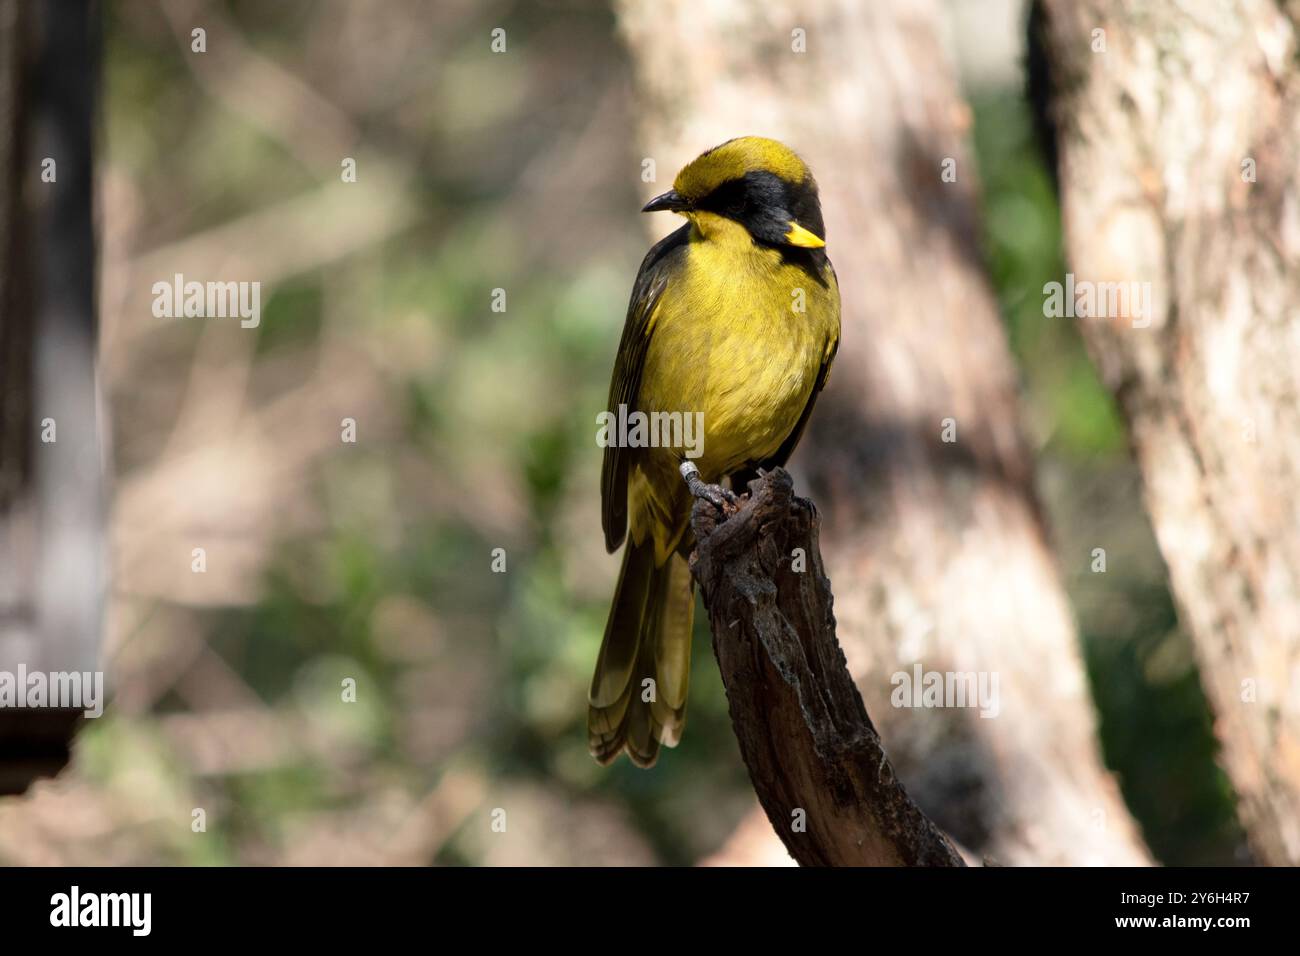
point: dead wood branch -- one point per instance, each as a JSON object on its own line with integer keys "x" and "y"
{"x": 813, "y": 755}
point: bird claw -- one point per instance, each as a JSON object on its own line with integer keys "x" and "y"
{"x": 716, "y": 495}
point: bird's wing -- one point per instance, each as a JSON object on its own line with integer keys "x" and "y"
{"x": 660, "y": 264}
{"x": 792, "y": 440}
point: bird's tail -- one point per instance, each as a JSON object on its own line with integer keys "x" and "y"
{"x": 647, "y": 636}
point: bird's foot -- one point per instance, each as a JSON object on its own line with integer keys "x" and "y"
{"x": 716, "y": 495}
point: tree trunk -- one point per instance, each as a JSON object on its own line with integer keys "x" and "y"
{"x": 1178, "y": 134}
{"x": 51, "y": 513}
{"x": 936, "y": 548}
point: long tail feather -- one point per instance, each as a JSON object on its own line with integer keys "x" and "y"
{"x": 647, "y": 635}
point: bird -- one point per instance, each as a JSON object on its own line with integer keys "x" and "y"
{"x": 735, "y": 316}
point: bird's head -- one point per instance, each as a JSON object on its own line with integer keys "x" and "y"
{"x": 752, "y": 184}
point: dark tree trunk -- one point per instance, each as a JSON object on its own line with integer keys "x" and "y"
{"x": 51, "y": 512}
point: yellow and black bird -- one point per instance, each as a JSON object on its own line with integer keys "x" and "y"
{"x": 736, "y": 315}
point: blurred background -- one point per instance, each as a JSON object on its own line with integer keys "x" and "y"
{"x": 328, "y": 560}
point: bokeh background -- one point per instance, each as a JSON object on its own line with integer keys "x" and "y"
{"x": 329, "y": 560}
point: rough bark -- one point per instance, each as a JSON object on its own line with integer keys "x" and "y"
{"x": 815, "y": 759}
{"x": 937, "y": 548}
{"x": 1160, "y": 120}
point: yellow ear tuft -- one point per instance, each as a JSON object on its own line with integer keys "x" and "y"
{"x": 799, "y": 236}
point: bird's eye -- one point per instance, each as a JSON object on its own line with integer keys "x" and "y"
{"x": 737, "y": 208}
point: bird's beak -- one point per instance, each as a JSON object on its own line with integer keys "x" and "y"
{"x": 673, "y": 201}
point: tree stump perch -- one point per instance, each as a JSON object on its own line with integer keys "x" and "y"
{"x": 813, "y": 755}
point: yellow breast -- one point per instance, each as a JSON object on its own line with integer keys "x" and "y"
{"x": 741, "y": 338}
